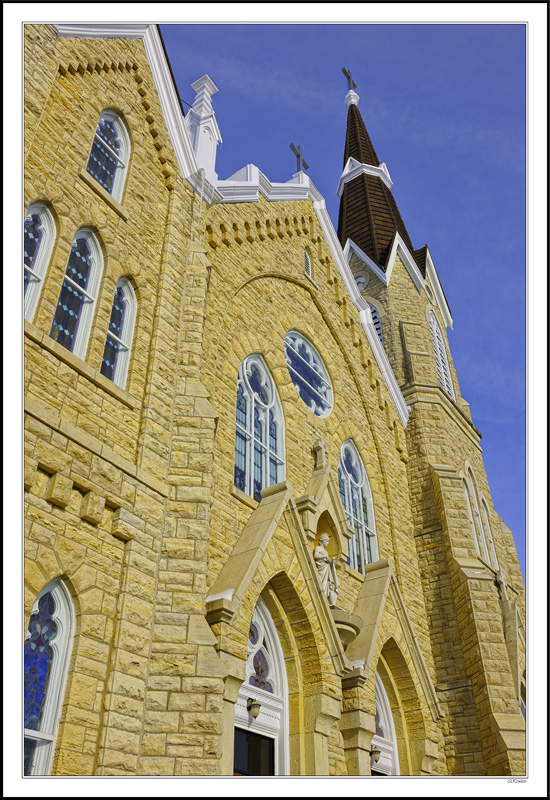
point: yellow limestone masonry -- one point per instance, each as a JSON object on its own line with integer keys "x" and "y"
{"x": 130, "y": 497}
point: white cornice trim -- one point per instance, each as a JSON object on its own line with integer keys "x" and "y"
{"x": 431, "y": 272}
{"x": 354, "y": 169}
{"x": 161, "y": 76}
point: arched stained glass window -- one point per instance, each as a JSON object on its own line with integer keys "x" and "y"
{"x": 109, "y": 155}
{"x": 259, "y": 437}
{"x": 477, "y": 517}
{"x": 441, "y": 356}
{"x": 39, "y": 235}
{"x": 471, "y": 516}
{"x": 73, "y": 315}
{"x": 357, "y": 501}
{"x": 119, "y": 337}
{"x": 308, "y": 373}
{"x": 376, "y": 321}
{"x": 46, "y": 652}
{"x": 384, "y": 739}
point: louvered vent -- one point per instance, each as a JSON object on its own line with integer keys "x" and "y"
{"x": 376, "y": 321}
{"x": 441, "y": 356}
{"x": 307, "y": 264}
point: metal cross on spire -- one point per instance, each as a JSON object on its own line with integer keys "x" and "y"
{"x": 351, "y": 83}
{"x": 302, "y": 163}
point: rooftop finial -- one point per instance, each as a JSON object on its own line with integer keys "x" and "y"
{"x": 302, "y": 164}
{"x": 352, "y": 98}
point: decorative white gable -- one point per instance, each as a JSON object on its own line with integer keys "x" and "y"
{"x": 203, "y": 130}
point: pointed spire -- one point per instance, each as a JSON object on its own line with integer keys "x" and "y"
{"x": 368, "y": 212}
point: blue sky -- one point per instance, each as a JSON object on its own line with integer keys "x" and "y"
{"x": 445, "y": 108}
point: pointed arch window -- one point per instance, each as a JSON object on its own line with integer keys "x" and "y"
{"x": 109, "y": 155}
{"x": 384, "y": 739}
{"x": 73, "y": 315}
{"x": 471, "y": 516}
{"x": 261, "y": 743}
{"x": 46, "y": 656}
{"x": 357, "y": 501}
{"x": 259, "y": 437}
{"x": 309, "y": 374}
{"x": 441, "y": 356}
{"x": 376, "y": 321}
{"x": 116, "y": 355}
{"x": 39, "y": 236}
{"x": 488, "y": 534}
{"x": 307, "y": 264}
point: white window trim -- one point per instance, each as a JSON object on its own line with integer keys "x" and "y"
{"x": 37, "y": 274}
{"x": 478, "y": 520}
{"x": 318, "y": 367}
{"x": 488, "y": 533}
{"x": 440, "y": 353}
{"x": 307, "y": 264}
{"x": 376, "y": 322}
{"x": 369, "y": 529}
{"x": 61, "y": 646}
{"x": 470, "y": 515}
{"x": 90, "y": 293}
{"x": 123, "y": 358}
{"x": 389, "y": 757}
{"x": 249, "y": 433}
{"x": 272, "y": 721}
{"x": 122, "y": 158}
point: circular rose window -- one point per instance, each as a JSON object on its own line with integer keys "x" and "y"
{"x": 308, "y": 373}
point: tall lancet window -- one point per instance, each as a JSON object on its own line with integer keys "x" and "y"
{"x": 259, "y": 436}
{"x": 261, "y": 741}
{"x": 357, "y": 501}
{"x": 441, "y": 356}
{"x": 39, "y": 237}
{"x": 46, "y": 656}
{"x": 376, "y": 321}
{"x": 73, "y": 315}
{"x": 384, "y": 738}
{"x": 119, "y": 338}
{"x": 488, "y": 534}
{"x": 108, "y": 159}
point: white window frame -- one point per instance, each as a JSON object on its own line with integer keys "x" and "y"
{"x": 488, "y": 533}
{"x": 318, "y": 367}
{"x": 376, "y": 322}
{"x": 389, "y": 757}
{"x": 42, "y": 260}
{"x": 127, "y": 334}
{"x": 61, "y": 646}
{"x": 470, "y": 515}
{"x": 478, "y": 520}
{"x": 357, "y": 545}
{"x": 440, "y": 353}
{"x": 253, "y": 402}
{"x": 272, "y": 721}
{"x": 90, "y": 293}
{"x": 307, "y": 264}
{"x": 122, "y": 158}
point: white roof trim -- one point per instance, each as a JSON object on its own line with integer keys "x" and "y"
{"x": 431, "y": 272}
{"x": 169, "y": 102}
{"x": 353, "y": 169}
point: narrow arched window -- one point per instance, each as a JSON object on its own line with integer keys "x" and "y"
{"x": 384, "y": 738}
{"x": 477, "y": 517}
{"x": 471, "y": 516}
{"x": 357, "y": 501}
{"x": 109, "y": 155}
{"x": 307, "y": 265}
{"x": 259, "y": 437}
{"x": 46, "y": 656}
{"x": 441, "y": 356}
{"x": 73, "y": 315}
{"x": 488, "y": 534}
{"x": 376, "y": 321}
{"x": 39, "y": 235}
{"x": 116, "y": 355}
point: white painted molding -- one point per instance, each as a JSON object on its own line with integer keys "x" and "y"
{"x": 431, "y": 272}
{"x": 202, "y": 128}
{"x": 351, "y": 99}
{"x": 172, "y": 113}
{"x": 354, "y": 169}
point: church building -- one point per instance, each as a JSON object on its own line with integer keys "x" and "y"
{"x": 259, "y": 536}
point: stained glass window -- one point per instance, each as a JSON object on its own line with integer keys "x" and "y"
{"x": 119, "y": 337}
{"x": 72, "y": 316}
{"x": 260, "y": 666}
{"x": 39, "y": 230}
{"x": 308, "y": 374}
{"x": 357, "y": 501}
{"x": 259, "y": 447}
{"x": 109, "y": 154}
{"x": 45, "y": 660}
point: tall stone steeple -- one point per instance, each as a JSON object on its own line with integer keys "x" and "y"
{"x": 368, "y": 214}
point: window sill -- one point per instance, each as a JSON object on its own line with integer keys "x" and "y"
{"x": 104, "y": 194}
{"x": 78, "y": 365}
{"x": 354, "y": 573}
{"x": 243, "y": 497}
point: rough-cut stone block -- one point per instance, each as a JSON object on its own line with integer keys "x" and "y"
{"x": 59, "y": 490}
{"x": 92, "y": 508}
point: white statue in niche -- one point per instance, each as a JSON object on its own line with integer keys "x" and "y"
{"x": 326, "y": 569}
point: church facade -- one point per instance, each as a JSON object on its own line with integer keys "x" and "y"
{"x": 259, "y": 536}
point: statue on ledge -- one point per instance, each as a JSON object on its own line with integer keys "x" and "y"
{"x": 326, "y": 569}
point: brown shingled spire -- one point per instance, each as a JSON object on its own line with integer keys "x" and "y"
{"x": 368, "y": 212}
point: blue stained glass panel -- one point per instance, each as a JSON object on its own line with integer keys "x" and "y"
{"x": 32, "y": 240}
{"x": 258, "y": 384}
{"x": 253, "y": 634}
{"x": 352, "y": 468}
{"x": 116, "y": 323}
{"x": 240, "y": 460}
{"x": 69, "y": 307}
{"x": 30, "y": 747}
{"x": 261, "y": 675}
{"x": 102, "y": 164}
{"x": 110, "y": 355}
{"x": 118, "y": 311}
{"x": 306, "y": 375}
{"x": 272, "y": 433}
{"x": 241, "y": 406}
{"x": 38, "y": 656}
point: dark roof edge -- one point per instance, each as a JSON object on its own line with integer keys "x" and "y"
{"x": 170, "y": 69}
